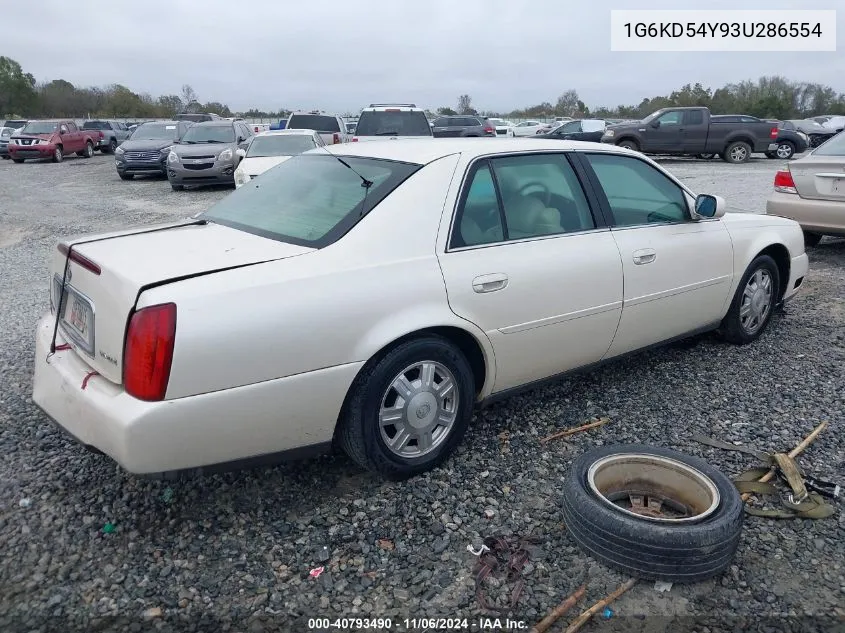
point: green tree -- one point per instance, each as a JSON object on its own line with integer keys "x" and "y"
{"x": 17, "y": 88}
{"x": 445, "y": 111}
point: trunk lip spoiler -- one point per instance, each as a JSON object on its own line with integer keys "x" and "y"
{"x": 70, "y": 246}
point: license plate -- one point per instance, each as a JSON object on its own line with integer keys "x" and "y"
{"x": 838, "y": 185}
{"x": 79, "y": 316}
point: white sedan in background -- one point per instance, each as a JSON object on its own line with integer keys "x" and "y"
{"x": 527, "y": 128}
{"x": 503, "y": 128}
{"x": 374, "y": 293}
{"x": 268, "y": 149}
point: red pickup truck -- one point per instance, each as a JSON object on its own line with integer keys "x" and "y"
{"x": 52, "y": 139}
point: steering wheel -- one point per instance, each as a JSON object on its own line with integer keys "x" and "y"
{"x": 547, "y": 194}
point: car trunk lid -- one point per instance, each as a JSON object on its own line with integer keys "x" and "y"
{"x": 105, "y": 274}
{"x": 819, "y": 177}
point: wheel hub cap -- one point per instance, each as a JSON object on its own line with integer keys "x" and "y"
{"x": 418, "y": 409}
{"x": 756, "y": 301}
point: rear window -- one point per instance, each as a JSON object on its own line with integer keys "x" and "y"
{"x": 317, "y": 122}
{"x": 96, "y": 125}
{"x": 400, "y": 123}
{"x": 835, "y": 146}
{"x": 310, "y": 200}
{"x": 280, "y": 145}
{"x": 15, "y": 123}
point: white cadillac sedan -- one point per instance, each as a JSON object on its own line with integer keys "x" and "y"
{"x": 373, "y": 294}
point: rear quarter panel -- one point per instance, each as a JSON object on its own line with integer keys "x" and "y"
{"x": 331, "y": 307}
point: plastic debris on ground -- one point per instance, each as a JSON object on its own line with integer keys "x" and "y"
{"x": 315, "y": 573}
{"x": 662, "y": 586}
{"x": 607, "y": 613}
{"x": 25, "y": 502}
{"x": 109, "y": 528}
{"x": 167, "y": 495}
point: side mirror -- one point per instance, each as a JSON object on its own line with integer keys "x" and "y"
{"x": 655, "y": 124}
{"x": 707, "y": 206}
{"x": 241, "y": 152}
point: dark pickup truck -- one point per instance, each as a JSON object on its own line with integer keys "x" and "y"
{"x": 692, "y": 132}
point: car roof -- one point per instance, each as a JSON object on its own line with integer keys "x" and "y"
{"x": 291, "y": 132}
{"x": 425, "y": 150}
{"x": 216, "y": 123}
{"x": 384, "y": 107}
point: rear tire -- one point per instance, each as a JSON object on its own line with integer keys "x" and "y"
{"x": 771, "y": 155}
{"x": 443, "y": 412}
{"x": 812, "y": 239}
{"x": 737, "y": 152}
{"x": 785, "y": 150}
{"x": 629, "y": 144}
{"x": 110, "y": 148}
{"x": 754, "y": 301}
{"x": 88, "y": 152}
{"x": 58, "y": 155}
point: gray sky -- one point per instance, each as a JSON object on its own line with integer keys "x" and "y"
{"x": 340, "y": 56}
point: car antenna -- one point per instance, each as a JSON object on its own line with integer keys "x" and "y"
{"x": 364, "y": 182}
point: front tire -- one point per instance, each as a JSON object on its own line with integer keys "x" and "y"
{"x": 126, "y": 176}
{"x": 408, "y": 410}
{"x": 754, "y": 301}
{"x": 58, "y": 155}
{"x": 629, "y": 144}
{"x": 737, "y": 152}
{"x": 111, "y": 147}
{"x": 18, "y": 160}
{"x": 177, "y": 187}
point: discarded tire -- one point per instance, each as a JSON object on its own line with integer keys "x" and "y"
{"x": 653, "y": 513}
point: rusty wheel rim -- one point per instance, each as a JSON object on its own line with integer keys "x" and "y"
{"x": 653, "y": 488}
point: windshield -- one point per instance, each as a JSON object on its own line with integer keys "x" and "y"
{"x": 399, "y": 123}
{"x": 834, "y": 146}
{"x": 652, "y": 116}
{"x": 40, "y": 127}
{"x": 310, "y": 200}
{"x": 209, "y": 134}
{"x": 321, "y": 123}
{"x": 96, "y": 125}
{"x": 280, "y": 145}
{"x": 498, "y": 122}
{"x": 155, "y": 132}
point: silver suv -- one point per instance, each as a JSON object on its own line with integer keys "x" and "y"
{"x": 207, "y": 154}
{"x": 332, "y": 129}
{"x": 382, "y": 121}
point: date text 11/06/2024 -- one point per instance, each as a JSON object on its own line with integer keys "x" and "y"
{"x": 410, "y": 625}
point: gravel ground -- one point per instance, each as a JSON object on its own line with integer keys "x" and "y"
{"x": 210, "y": 553}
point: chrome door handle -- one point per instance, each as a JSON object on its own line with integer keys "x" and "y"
{"x": 644, "y": 256}
{"x": 490, "y": 283}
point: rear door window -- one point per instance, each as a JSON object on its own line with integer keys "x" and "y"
{"x": 393, "y": 123}
{"x": 694, "y": 117}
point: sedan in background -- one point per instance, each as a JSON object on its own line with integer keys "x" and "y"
{"x": 811, "y": 191}
{"x": 527, "y": 128}
{"x": 269, "y": 149}
{"x": 371, "y": 295}
{"x": 815, "y": 131}
{"x": 5, "y": 135}
{"x": 207, "y": 154}
{"x": 503, "y": 128}
{"x": 581, "y": 130}
{"x": 462, "y": 126}
{"x": 145, "y": 152}
{"x": 835, "y": 123}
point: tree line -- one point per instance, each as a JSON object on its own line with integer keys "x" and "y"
{"x": 768, "y": 97}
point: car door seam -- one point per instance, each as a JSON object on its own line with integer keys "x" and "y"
{"x": 561, "y": 318}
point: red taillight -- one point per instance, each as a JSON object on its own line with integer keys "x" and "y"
{"x": 149, "y": 351}
{"x": 335, "y": 138}
{"x": 774, "y": 132}
{"x": 354, "y": 139}
{"x": 489, "y": 130}
{"x": 83, "y": 261}
{"x": 256, "y": 129}
{"x": 784, "y": 182}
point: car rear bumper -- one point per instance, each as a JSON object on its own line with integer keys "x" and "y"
{"x": 817, "y": 216}
{"x": 202, "y": 431}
